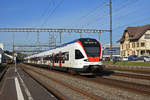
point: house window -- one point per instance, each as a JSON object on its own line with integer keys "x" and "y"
{"x": 142, "y": 44}
{"x": 148, "y": 52}
{"x": 137, "y": 44}
{"x": 137, "y": 52}
{"x": 147, "y": 36}
{"x": 142, "y": 52}
{"x": 133, "y": 45}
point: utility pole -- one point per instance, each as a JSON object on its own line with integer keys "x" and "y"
{"x": 80, "y": 35}
{"x": 49, "y": 40}
{"x": 110, "y": 11}
{"x": 38, "y": 40}
{"x": 13, "y": 44}
{"x": 60, "y": 33}
{"x": 55, "y": 40}
{"x": 99, "y": 36}
{"x": 14, "y": 54}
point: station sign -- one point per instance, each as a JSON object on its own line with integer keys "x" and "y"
{"x": 111, "y": 50}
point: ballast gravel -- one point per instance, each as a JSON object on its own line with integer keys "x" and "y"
{"x": 128, "y": 79}
{"x": 70, "y": 94}
{"x": 102, "y": 90}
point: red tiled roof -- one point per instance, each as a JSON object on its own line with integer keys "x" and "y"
{"x": 135, "y": 32}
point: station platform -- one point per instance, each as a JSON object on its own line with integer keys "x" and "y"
{"x": 18, "y": 85}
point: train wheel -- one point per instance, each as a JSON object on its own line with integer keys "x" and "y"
{"x": 50, "y": 68}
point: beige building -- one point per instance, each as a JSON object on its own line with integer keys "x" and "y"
{"x": 135, "y": 41}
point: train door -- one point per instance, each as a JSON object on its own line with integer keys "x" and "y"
{"x": 53, "y": 60}
{"x": 50, "y": 61}
{"x": 66, "y": 59}
{"x": 60, "y": 59}
{"x": 72, "y": 57}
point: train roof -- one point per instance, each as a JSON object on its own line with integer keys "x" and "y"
{"x": 65, "y": 44}
{"x": 81, "y": 39}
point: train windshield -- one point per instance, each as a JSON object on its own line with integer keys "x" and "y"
{"x": 91, "y": 46}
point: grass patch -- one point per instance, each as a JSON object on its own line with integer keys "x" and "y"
{"x": 128, "y": 63}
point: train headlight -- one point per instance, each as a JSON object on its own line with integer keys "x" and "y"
{"x": 86, "y": 60}
{"x": 100, "y": 59}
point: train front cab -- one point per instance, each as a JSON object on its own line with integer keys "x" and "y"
{"x": 88, "y": 56}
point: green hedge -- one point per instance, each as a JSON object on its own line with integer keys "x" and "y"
{"x": 128, "y": 63}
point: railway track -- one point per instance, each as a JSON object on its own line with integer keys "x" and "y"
{"x": 2, "y": 75}
{"x": 139, "y": 70}
{"x": 135, "y": 87}
{"x": 131, "y": 77}
{"x": 102, "y": 87}
{"x": 81, "y": 93}
{"x": 132, "y": 86}
{"x": 141, "y": 77}
{"x": 136, "y": 76}
{"x": 132, "y": 73}
{"x": 2, "y": 71}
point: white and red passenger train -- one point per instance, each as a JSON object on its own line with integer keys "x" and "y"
{"x": 82, "y": 55}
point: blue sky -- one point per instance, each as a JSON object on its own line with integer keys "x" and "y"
{"x": 92, "y": 14}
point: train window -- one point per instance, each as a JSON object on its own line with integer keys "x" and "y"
{"x": 50, "y": 58}
{"x": 63, "y": 57}
{"x": 56, "y": 58}
{"x": 67, "y": 56}
{"x": 63, "y": 61}
{"x": 46, "y": 58}
{"x": 78, "y": 54}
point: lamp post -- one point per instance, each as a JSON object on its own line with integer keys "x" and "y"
{"x": 15, "y": 61}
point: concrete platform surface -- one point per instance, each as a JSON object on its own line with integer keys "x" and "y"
{"x": 20, "y": 86}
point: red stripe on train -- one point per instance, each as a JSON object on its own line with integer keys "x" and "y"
{"x": 82, "y": 47}
{"x": 91, "y": 59}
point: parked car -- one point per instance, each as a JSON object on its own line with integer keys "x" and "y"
{"x": 115, "y": 58}
{"x": 141, "y": 58}
{"x": 124, "y": 59}
{"x": 147, "y": 59}
{"x": 132, "y": 58}
{"x": 106, "y": 59}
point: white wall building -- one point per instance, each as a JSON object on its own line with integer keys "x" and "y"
{"x": 135, "y": 41}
